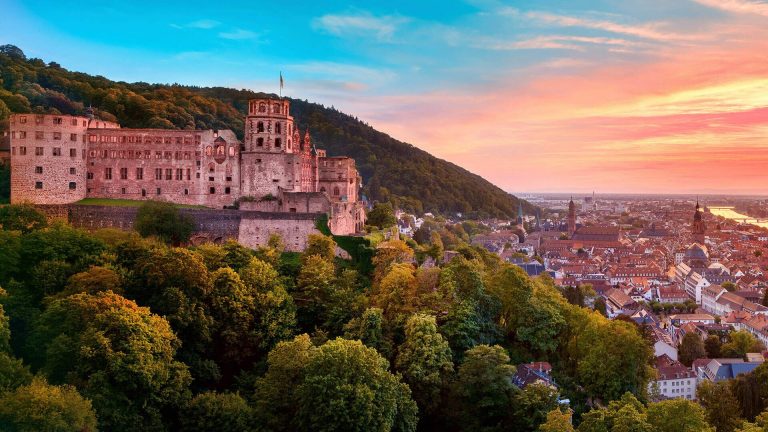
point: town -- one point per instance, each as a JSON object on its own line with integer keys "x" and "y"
{"x": 686, "y": 274}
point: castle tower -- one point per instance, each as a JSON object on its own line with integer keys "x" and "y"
{"x": 48, "y": 158}
{"x": 698, "y": 228}
{"x": 571, "y": 217}
{"x": 269, "y": 126}
{"x": 269, "y": 161}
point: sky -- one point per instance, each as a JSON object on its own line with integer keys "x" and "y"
{"x": 655, "y": 96}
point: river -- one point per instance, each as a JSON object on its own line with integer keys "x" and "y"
{"x": 730, "y": 213}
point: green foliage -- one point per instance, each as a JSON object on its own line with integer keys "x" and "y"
{"x": 740, "y": 343}
{"x": 21, "y": 217}
{"x": 163, "y": 220}
{"x": 320, "y": 245}
{"x": 720, "y": 405}
{"x": 424, "y": 359}
{"x": 678, "y": 415}
{"x": 381, "y": 216}
{"x": 557, "y": 421}
{"x": 532, "y": 405}
{"x": 369, "y": 328}
{"x": 41, "y": 407}
{"x": 337, "y": 375}
{"x": 211, "y": 412}
{"x": 484, "y": 388}
{"x": 119, "y": 355}
{"x": 713, "y": 345}
{"x": 342, "y": 385}
{"x": 5, "y": 183}
{"x": 691, "y": 348}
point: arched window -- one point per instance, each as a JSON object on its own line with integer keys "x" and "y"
{"x": 260, "y": 127}
{"x": 276, "y": 108}
{"x": 336, "y": 191}
{"x": 277, "y": 142}
{"x": 289, "y": 143}
{"x": 277, "y": 127}
{"x": 260, "y": 142}
{"x": 262, "y": 107}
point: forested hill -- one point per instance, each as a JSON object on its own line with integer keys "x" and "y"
{"x": 392, "y": 170}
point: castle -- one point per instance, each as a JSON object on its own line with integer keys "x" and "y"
{"x": 61, "y": 159}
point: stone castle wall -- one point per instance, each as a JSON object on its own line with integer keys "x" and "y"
{"x": 250, "y": 228}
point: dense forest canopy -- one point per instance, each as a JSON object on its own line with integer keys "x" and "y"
{"x": 392, "y": 171}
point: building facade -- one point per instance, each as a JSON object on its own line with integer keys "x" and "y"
{"x": 59, "y": 159}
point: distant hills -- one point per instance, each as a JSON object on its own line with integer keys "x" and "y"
{"x": 392, "y": 170}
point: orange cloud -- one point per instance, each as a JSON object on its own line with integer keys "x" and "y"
{"x": 689, "y": 118}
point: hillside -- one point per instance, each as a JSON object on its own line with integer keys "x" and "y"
{"x": 392, "y": 170}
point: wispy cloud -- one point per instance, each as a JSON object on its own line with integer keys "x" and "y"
{"x": 652, "y": 31}
{"x": 575, "y": 43}
{"x": 205, "y": 24}
{"x": 344, "y": 72}
{"x": 738, "y": 6}
{"x": 238, "y": 34}
{"x": 383, "y": 27}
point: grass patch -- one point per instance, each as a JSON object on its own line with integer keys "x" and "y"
{"x": 116, "y": 202}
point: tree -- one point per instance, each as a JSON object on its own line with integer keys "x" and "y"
{"x": 691, "y": 348}
{"x": 396, "y": 293}
{"x": 678, "y": 415}
{"x": 275, "y": 397}
{"x": 728, "y": 285}
{"x": 347, "y": 386}
{"x": 13, "y": 373}
{"x": 369, "y": 328}
{"x": 117, "y": 354}
{"x": 163, "y": 220}
{"x": 209, "y": 412}
{"x": 424, "y": 359}
{"x": 320, "y": 245}
{"x": 95, "y": 279}
{"x": 389, "y": 253}
{"x": 41, "y": 407}
{"x": 176, "y": 284}
{"x": 484, "y": 388}
{"x": 712, "y": 346}
{"x": 532, "y": 405}
{"x": 382, "y": 216}
{"x": 313, "y": 287}
{"x": 741, "y": 342}
{"x": 10, "y": 254}
{"x": 720, "y": 404}
{"x": 557, "y": 421}
{"x": 342, "y": 385}
{"x": 21, "y": 217}
{"x": 610, "y": 358}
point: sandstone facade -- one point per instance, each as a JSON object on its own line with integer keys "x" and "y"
{"x": 59, "y": 159}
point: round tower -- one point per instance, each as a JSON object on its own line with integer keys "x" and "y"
{"x": 48, "y": 158}
{"x": 269, "y": 127}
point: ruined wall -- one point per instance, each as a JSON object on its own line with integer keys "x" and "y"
{"x": 186, "y": 167}
{"x": 250, "y": 228}
{"x": 338, "y": 177}
{"x": 347, "y": 218}
{"x": 293, "y": 228}
{"x": 48, "y": 158}
{"x": 266, "y": 173}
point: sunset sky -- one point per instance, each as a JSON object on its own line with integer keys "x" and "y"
{"x": 612, "y": 96}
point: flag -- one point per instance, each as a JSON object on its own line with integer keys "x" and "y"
{"x": 282, "y": 83}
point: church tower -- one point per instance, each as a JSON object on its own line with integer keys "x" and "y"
{"x": 571, "y": 217}
{"x": 698, "y": 228}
